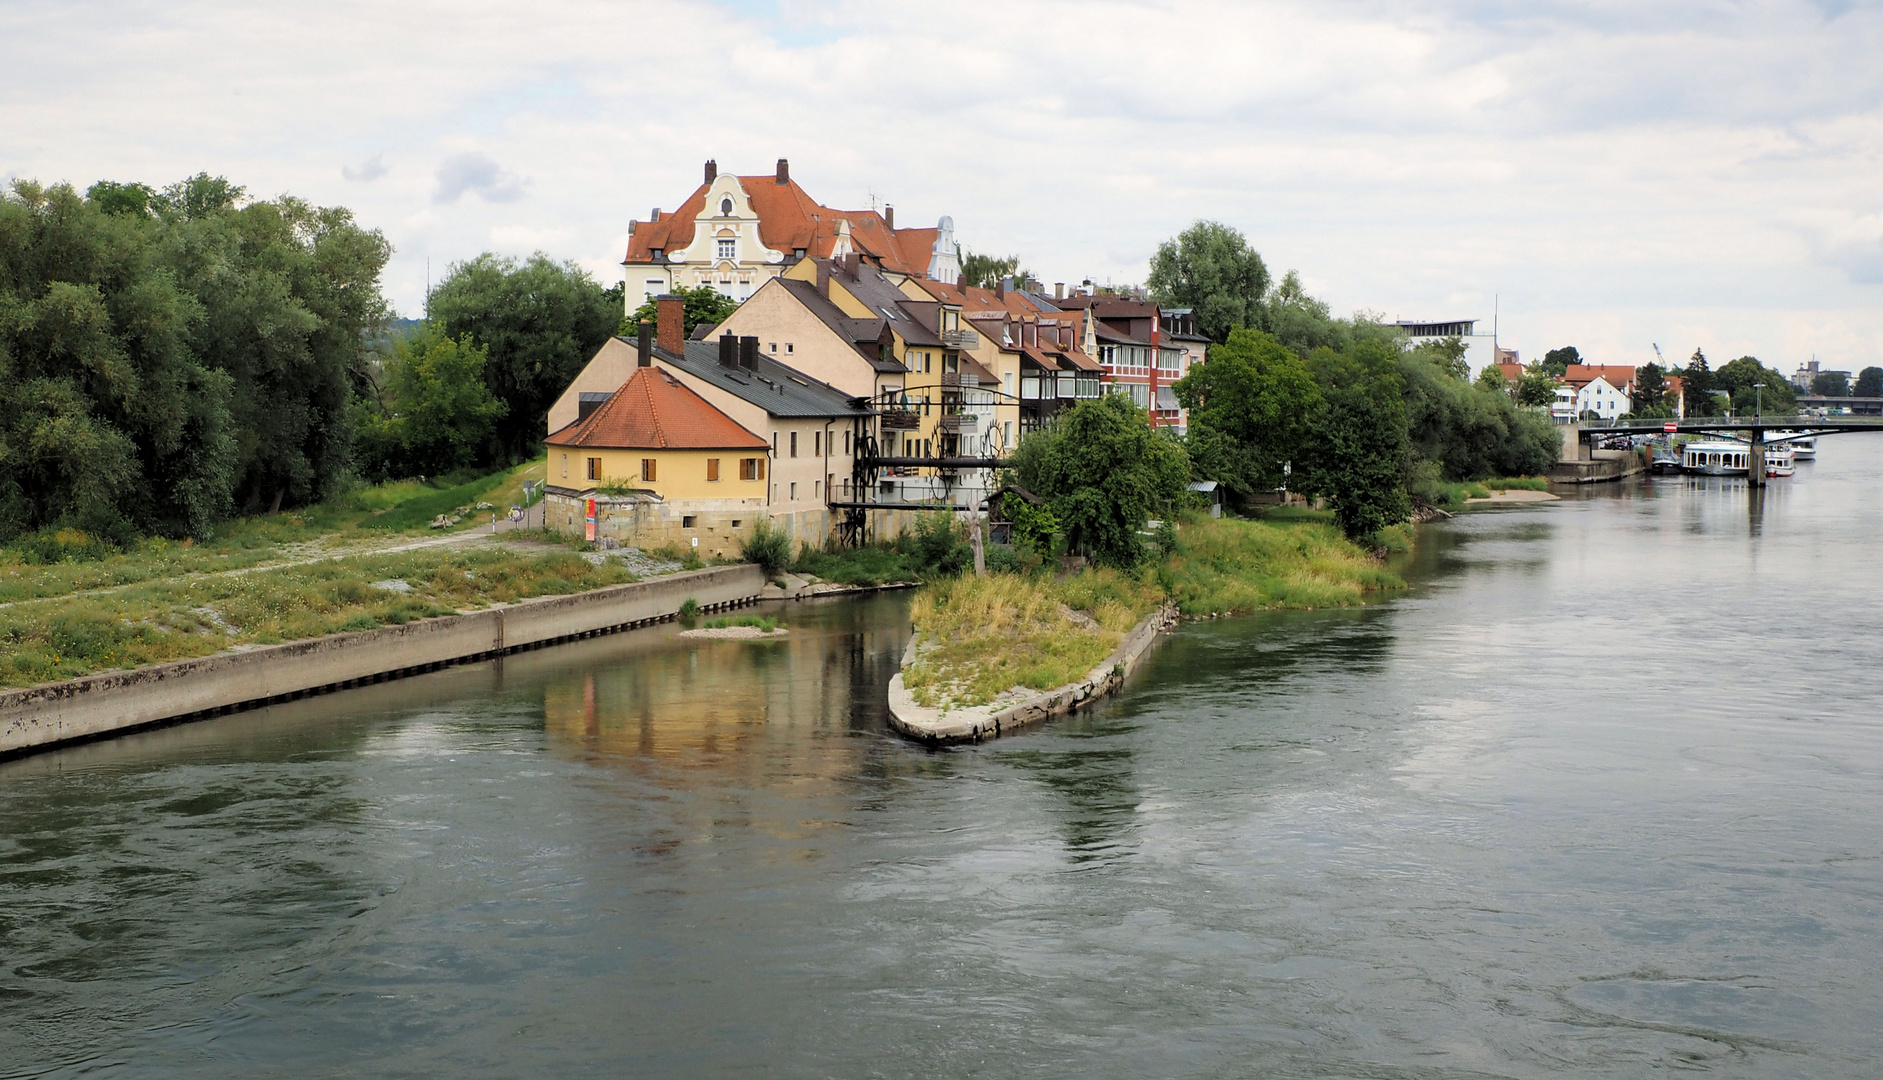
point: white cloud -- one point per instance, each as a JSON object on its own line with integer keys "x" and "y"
{"x": 367, "y": 171}
{"x": 1618, "y": 173}
{"x": 475, "y": 171}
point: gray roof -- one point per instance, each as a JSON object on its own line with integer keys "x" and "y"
{"x": 851, "y": 330}
{"x": 779, "y": 390}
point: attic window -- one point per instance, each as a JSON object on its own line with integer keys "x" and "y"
{"x": 725, "y": 208}
{"x": 728, "y": 249}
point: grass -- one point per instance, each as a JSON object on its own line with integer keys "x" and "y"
{"x": 767, "y": 623}
{"x": 1519, "y": 483}
{"x": 47, "y": 640}
{"x": 68, "y": 562}
{"x": 864, "y": 566}
{"x": 1224, "y": 566}
{"x": 984, "y": 636}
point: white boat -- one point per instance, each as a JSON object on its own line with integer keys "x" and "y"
{"x": 1715, "y": 458}
{"x": 1778, "y": 461}
{"x": 1804, "y": 449}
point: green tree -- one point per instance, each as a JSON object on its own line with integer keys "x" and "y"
{"x": 1650, "y": 388}
{"x": 540, "y": 321}
{"x": 1250, "y": 408}
{"x": 438, "y": 414}
{"x": 1360, "y": 455}
{"x": 1299, "y": 321}
{"x": 1557, "y": 361}
{"x": 131, "y": 200}
{"x": 1466, "y": 432}
{"x": 704, "y": 304}
{"x": 985, "y": 271}
{"x": 109, "y": 420}
{"x": 1211, "y": 268}
{"x": 1696, "y": 382}
{"x": 1869, "y": 383}
{"x": 1742, "y": 379}
{"x": 1104, "y": 472}
{"x": 1831, "y": 384}
{"x": 1536, "y": 390}
{"x": 290, "y": 299}
{"x": 1492, "y": 378}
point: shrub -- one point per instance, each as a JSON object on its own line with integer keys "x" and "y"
{"x": 689, "y": 608}
{"x": 768, "y": 546}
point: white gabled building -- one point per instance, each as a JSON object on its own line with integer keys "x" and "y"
{"x": 1606, "y": 401}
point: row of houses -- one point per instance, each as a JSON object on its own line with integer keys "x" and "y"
{"x": 859, "y": 380}
{"x": 1603, "y": 390}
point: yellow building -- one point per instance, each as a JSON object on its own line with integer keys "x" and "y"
{"x": 656, "y": 464}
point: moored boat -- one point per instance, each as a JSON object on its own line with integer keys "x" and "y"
{"x": 1778, "y": 461}
{"x": 1715, "y": 458}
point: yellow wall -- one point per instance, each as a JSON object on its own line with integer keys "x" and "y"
{"x": 678, "y": 474}
{"x": 774, "y": 316}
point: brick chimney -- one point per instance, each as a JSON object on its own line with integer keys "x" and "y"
{"x": 644, "y": 344}
{"x": 823, "y": 278}
{"x": 670, "y": 326}
{"x": 712, "y": 170}
{"x": 889, "y": 216}
{"x": 784, "y": 172}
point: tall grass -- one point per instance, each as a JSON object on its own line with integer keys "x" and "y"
{"x": 983, "y": 636}
{"x": 46, "y": 640}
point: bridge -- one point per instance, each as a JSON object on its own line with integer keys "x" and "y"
{"x": 1753, "y": 430}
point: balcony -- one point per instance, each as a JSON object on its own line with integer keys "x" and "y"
{"x": 965, "y": 423}
{"x": 960, "y": 339}
{"x": 901, "y": 420}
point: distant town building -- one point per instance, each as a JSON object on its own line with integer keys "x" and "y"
{"x": 734, "y": 233}
{"x": 1480, "y": 348}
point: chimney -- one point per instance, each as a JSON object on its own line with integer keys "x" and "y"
{"x": 644, "y": 344}
{"x": 670, "y": 328}
{"x": 784, "y": 172}
{"x": 712, "y": 170}
{"x": 889, "y": 216}
{"x": 823, "y": 278}
{"x": 852, "y": 265}
{"x": 1059, "y": 290}
{"x": 748, "y": 353}
{"x": 728, "y": 351}
{"x": 1001, "y": 287}
{"x": 656, "y": 214}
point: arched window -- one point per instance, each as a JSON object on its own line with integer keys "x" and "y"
{"x": 725, "y": 207}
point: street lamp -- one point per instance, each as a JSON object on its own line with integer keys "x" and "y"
{"x": 1758, "y": 399}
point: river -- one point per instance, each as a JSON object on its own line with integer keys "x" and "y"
{"x": 1598, "y": 796}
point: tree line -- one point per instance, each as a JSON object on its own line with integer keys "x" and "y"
{"x": 171, "y": 357}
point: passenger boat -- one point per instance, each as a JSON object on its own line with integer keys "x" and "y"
{"x": 1805, "y": 448}
{"x": 1666, "y": 460}
{"x": 1778, "y": 461}
{"x": 1715, "y": 458}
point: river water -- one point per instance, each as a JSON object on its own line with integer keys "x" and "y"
{"x": 1599, "y": 796}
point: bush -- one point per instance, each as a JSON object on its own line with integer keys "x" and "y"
{"x": 864, "y": 566}
{"x": 49, "y": 547}
{"x": 768, "y": 546}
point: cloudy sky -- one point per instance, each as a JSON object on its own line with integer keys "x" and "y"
{"x": 1615, "y": 173}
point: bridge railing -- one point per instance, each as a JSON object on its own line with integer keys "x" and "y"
{"x": 1734, "y": 423}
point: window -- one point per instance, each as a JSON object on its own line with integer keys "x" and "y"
{"x": 736, "y": 523}
{"x": 794, "y": 490}
{"x": 687, "y": 521}
{"x": 817, "y": 489}
{"x": 794, "y": 444}
{"x": 774, "y": 348}
{"x": 712, "y": 468}
{"x": 655, "y": 286}
{"x": 565, "y": 465}
{"x": 725, "y": 210}
{"x": 774, "y": 442}
{"x": 647, "y": 470}
{"x": 748, "y": 468}
{"x": 817, "y": 444}
{"x": 846, "y": 444}
{"x": 1007, "y": 436}
{"x": 789, "y": 348}
{"x": 594, "y": 468}
{"x": 729, "y": 249}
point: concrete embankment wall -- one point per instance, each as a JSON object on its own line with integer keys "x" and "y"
{"x": 991, "y": 721}
{"x": 44, "y": 716}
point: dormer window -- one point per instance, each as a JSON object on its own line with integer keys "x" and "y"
{"x": 657, "y": 253}
{"x": 725, "y": 207}
{"x": 729, "y": 249}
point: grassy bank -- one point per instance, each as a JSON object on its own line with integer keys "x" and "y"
{"x": 984, "y": 636}
{"x": 47, "y": 640}
{"x": 67, "y": 562}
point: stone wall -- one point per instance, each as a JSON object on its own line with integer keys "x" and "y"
{"x": 44, "y": 716}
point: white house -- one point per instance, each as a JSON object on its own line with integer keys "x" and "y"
{"x": 1598, "y": 397}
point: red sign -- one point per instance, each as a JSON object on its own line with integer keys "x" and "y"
{"x": 589, "y": 532}
{"x": 1670, "y": 427}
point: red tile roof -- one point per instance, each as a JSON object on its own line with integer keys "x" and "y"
{"x": 653, "y": 411}
{"x": 1619, "y": 376}
{"x": 789, "y": 219}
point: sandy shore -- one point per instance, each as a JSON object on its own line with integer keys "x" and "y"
{"x": 734, "y": 632}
